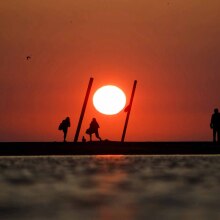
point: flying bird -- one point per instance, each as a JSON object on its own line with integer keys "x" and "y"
{"x": 28, "y": 57}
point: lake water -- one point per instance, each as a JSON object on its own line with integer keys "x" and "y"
{"x": 110, "y": 187}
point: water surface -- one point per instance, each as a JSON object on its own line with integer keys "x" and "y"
{"x": 110, "y": 187}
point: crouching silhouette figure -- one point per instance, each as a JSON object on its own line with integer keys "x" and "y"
{"x": 215, "y": 125}
{"x": 93, "y": 128}
{"x": 64, "y": 127}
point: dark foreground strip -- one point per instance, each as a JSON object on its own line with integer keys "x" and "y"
{"x": 107, "y": 147}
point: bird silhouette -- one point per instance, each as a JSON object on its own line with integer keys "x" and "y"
{"x": 28, "y": 57}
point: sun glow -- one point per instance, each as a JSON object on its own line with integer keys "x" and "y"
{"x": 109, "y": 100}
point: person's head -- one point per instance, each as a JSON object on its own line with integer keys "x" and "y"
{"x": 216, "y": 110}
{"x": 94, "y": 119}
{"x": 67, "y": 118}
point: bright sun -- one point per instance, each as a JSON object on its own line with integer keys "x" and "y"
{"x": 109, "y": 100}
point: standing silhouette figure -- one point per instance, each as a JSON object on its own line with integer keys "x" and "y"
{"x": 93, "y": 128}
{"x": 64, "y": 125}
{"x": 215, "y": 125}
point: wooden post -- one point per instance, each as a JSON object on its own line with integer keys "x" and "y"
{"x": 128, "y": 109}
{"x": 83, "y": 110}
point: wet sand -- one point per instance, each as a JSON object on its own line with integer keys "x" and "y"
{"x": 109, "y": 187}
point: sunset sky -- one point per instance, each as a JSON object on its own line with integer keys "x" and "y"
{"x": 172, "y": 49}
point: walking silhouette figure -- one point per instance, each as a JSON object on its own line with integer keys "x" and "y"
{"x": 215, "y": 125}
{"x": 64, "y": 127}
{"x": 93, "y": 128}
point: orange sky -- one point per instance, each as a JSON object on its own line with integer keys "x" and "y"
{"x": 171, "y": 48}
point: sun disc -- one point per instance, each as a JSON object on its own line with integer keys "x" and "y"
{"x": 109, "y": 100}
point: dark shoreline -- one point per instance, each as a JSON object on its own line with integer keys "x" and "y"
{"x": 107, "y": 147}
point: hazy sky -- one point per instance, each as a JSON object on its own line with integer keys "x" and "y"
{"x": 172, "y": 48}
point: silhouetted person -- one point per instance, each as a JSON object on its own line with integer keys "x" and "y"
{"x": 64, "y": 127}
{"x": 93, "y": 128}
{"x": 215, "y": 125}
{"x": 83, "y": 139}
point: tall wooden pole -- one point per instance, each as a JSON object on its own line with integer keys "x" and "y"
{"x": 83, "y": 110}
{"x": 128, "y": 111}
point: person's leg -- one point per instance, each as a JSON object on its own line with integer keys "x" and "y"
{"x": 214, "y": 135}
{"x": 64, "y": 135}
{"x": 97, "y": 135}
{"x": 218, "y": 135}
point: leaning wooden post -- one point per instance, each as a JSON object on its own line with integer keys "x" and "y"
{"x": 83, "y": 110}
{"x": 128, "y": 109}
